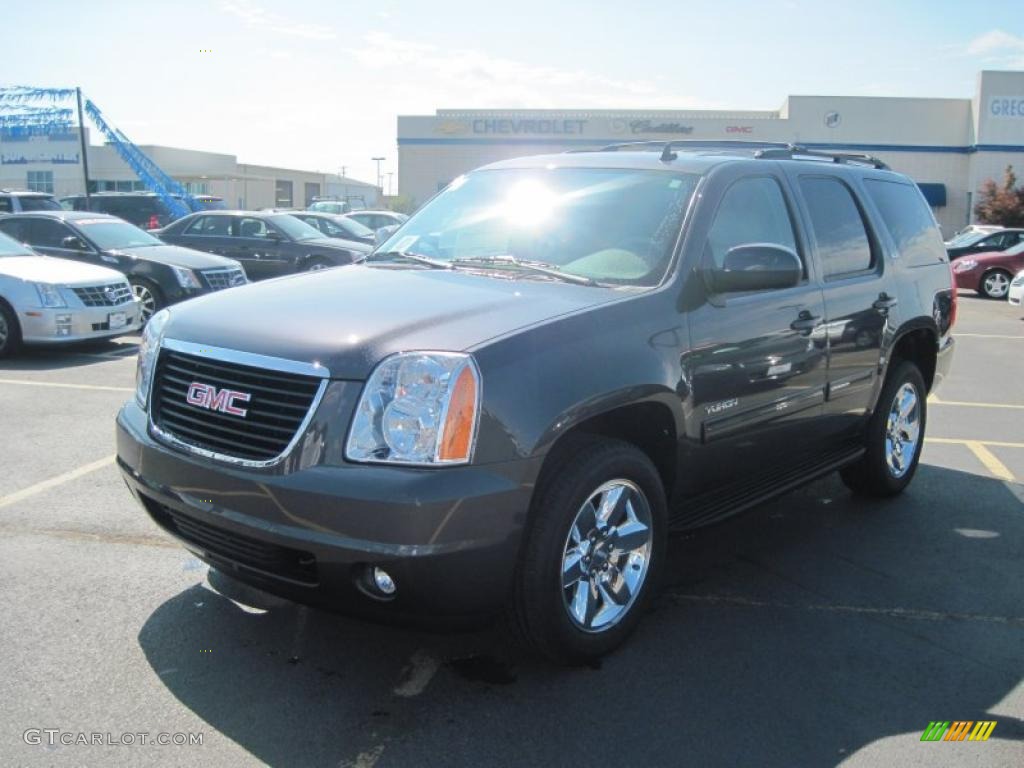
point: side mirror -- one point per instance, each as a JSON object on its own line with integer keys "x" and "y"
{"x": 756, "y": 267}
{"x": 73, "y": 243}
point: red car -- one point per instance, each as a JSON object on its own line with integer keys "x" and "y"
{"x": 989, "y": 273}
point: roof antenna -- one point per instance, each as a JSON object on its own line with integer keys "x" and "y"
{"x": 667, "y": 155}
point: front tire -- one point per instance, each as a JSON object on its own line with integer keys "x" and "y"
{"x": 592, "y": 552}
{"x": 10, "y": 332}
{"x": 150, "y": 299}
{"x": 895, "y": 436}
{"x": 995, "y": 284}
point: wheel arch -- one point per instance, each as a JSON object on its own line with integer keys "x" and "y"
{"x": 918, "y": 344}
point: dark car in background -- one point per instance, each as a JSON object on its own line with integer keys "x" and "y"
{"x": 143, "y": 209}
{"x": 377, "y": 219}
{"x": 338, "y": 226}
{"x": 267, "y": 244}
{"x": 970, "y": 243}
{"x": 19, "y": 200}
{"x": 159, "y": 274}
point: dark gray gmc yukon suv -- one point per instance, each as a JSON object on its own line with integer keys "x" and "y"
{"x": 554, "y": 364}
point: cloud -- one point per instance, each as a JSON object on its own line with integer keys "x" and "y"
{"x": 259, "y": 18}
{"x": 422, "y": 76}
{"x": 999, "y": 48}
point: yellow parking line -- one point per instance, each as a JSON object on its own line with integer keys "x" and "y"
{"x": 45, "y": 485}
{"x": 65, "y": 386}
{"x": 961, "y": 441}
{"x": 933, "y": 400}
{"x": 992, "y": 464}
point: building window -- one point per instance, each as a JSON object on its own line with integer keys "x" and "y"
{"x": 197, "y": 187}
{"x": 312, "y": 190}
{"x": 283, "y": 194}
{"x": 40, "y": 181}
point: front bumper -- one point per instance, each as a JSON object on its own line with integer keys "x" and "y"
{"x": 449, "y": 537}
{"x": 69, "y": 324}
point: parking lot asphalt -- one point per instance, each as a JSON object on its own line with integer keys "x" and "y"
{"x": 817, "y": 630}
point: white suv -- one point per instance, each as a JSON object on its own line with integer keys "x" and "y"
{"x": 18, "y": 200}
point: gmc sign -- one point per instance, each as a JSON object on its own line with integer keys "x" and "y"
{"x": 213, "y": 399}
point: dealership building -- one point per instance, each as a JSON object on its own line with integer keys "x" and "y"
{"x": 52, "y": 163}
{"x": 949, "y": 146}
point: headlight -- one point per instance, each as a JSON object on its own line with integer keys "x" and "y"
{"x": 964, "y": 265}
{"x": 186, "y": 277}
{"x": 49, "y": 295}
{"x": 417, "y": 408}
{"x": 149, "y": 347}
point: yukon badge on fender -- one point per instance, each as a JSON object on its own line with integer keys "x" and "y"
{"x": 557, "y": 361}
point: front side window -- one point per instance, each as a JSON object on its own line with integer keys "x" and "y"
{"x": 295, "y": 228}
{"x": 752, "y": 211}
{"x": 47, "y": 234}
{"x": 843, "y": 243}
{"x": 908, "y": 219}
{"x": 614, "y": 226}
{"x": 248, "y": 227}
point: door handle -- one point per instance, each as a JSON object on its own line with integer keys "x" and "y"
{"x": 805, "y": 321}
{"x": 885, "y": 302}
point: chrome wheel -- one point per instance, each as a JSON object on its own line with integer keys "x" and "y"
{"x": 996, "y": 285}
{"x": 607, "y": 555}
{"x": 146, "y": 300}
{"x": 903, "y": 430}
{"x": 316, "y": 266}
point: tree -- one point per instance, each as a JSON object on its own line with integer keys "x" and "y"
{"x": 1001, "y": 204}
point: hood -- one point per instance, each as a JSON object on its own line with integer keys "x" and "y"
{"x": 45, "y": 269}
{"x": 350, "y": 318}
{"x": 338, "y": 243}
{"x": 175, "y": 255}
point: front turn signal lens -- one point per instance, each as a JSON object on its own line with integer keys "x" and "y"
{"x": 457, "y": 438}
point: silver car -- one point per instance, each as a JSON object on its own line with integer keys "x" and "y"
{"x": 44, "y": 300}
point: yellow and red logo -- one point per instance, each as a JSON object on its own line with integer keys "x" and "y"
{"x": 958, "y": 730}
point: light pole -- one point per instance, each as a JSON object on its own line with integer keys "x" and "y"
{"x": 390, "y": 174}
{"x": 378, "y": 161}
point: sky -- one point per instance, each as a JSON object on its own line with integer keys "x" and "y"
{"x": 318, "y": 84}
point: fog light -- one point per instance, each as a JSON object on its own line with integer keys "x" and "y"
{"x": 383, "y": 581}
{"x": 63, "y": 325}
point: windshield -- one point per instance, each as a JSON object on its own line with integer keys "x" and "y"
{"x": 967, "y": 238}
{"x": 11, "y": 247}
{"x": 354, "y": 228}
{"x": 39, "y": 204}
{"x": 113, "y": 233}
{"x": 614, "y": 226}
{"x": 294, "y": 228}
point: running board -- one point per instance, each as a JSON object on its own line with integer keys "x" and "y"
{"x": 713, "y": 506}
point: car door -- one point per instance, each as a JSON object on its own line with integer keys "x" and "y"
{"x": 859, "y": 294}
{"x": 211, "y": 234}
{"x": 252, "y": 244}
{"x": 756, "y": 363}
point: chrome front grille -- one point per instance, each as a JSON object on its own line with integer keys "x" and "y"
{"x": 191, "y": 404}
{"x": 219, "y": 279}
{"x": 112, "y": 295}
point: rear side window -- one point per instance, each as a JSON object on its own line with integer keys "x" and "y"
{"x": 39, "y": 204}
{"x": 210, "y": 226}
{"x": 5, "y": 205}
{"x": 752, "y": 211}
{"x": 843, "y": 242}
{"x": 909, "y": 221}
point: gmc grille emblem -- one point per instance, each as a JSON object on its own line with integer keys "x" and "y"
{"x": 213, "y": 399}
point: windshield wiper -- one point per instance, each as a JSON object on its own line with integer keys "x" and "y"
{"x": 539, "y": 267}
{"x": 432, "y": 263}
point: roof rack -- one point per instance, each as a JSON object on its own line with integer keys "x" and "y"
{"x": 797, "y": 151}
{"x": 765, "y": 150}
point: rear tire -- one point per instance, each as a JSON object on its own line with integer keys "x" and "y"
{"x": 995, "y": 284}
{"x": 316, "y": 264}
{"x": 10, "y": 331}
{"x": 585, "y": 578}
{"x": 895, "y": 435}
